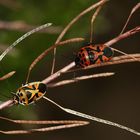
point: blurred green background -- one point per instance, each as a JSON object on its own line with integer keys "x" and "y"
{"x": 113, "y": 98}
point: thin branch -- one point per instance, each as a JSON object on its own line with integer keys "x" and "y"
{"x": 92, "y": 21}
{"x": 77, "y": 79}
{"x": 136, "y": 7}
{"x": 58, "y": 73}
{"x": 21, "y": 26}
{"x": 115, "y": 60}
{"x": 63, "y": 124}
{"x": 8, "y": 75}
{"x": 44, "y": 129}
{"x": 71, "y": 23}
{"x": 43, "y": 121}
{"x": 7, "y": 104}
{"x": 123, "y": 36}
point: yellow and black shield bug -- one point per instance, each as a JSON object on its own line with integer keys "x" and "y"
{"x": 29, "y": 93}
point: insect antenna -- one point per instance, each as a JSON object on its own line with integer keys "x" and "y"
{"x": 42, "y": 55}
{"x": 22, "y": 38}
{"x": 136, "y": 7}
{"x": 76, "y": 113}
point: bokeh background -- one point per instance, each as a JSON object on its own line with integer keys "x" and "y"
{"x": 113, "y": 98}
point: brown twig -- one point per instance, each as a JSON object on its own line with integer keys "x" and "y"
{"x": 92, "y": 21}
{"x": 115, "y": 60}
{"x": 58, "y": 73}
{"x": 42, "y": 121}
{"x": 6, "y": 104}
{"x": 77, "y": 79}
{"x": 24, "y": 27}
{"x": 44, "y": 129}
{"x": 62, "y": 124}
{"x": 136, "y": 7}
{"x": 123, "y": 36}
{"x": 8, "y": 75}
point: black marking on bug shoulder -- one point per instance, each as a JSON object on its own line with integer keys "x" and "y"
{"x": 26, "y": 88}
{"x": 31, "y": 100}
{"x": 33, "y": 87}
{"x": 42, "y": 87}
{"x": 98, "y": 48}
{"x": 37, "y": 96}
{"x": 20, "y": 94}
{"x": 101, "y": 58}
{"x": 88, "y": 49}
{"x": 28, "y": 94}
{"x": 91, "y": 57}
{"x": 23, "y": 100}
